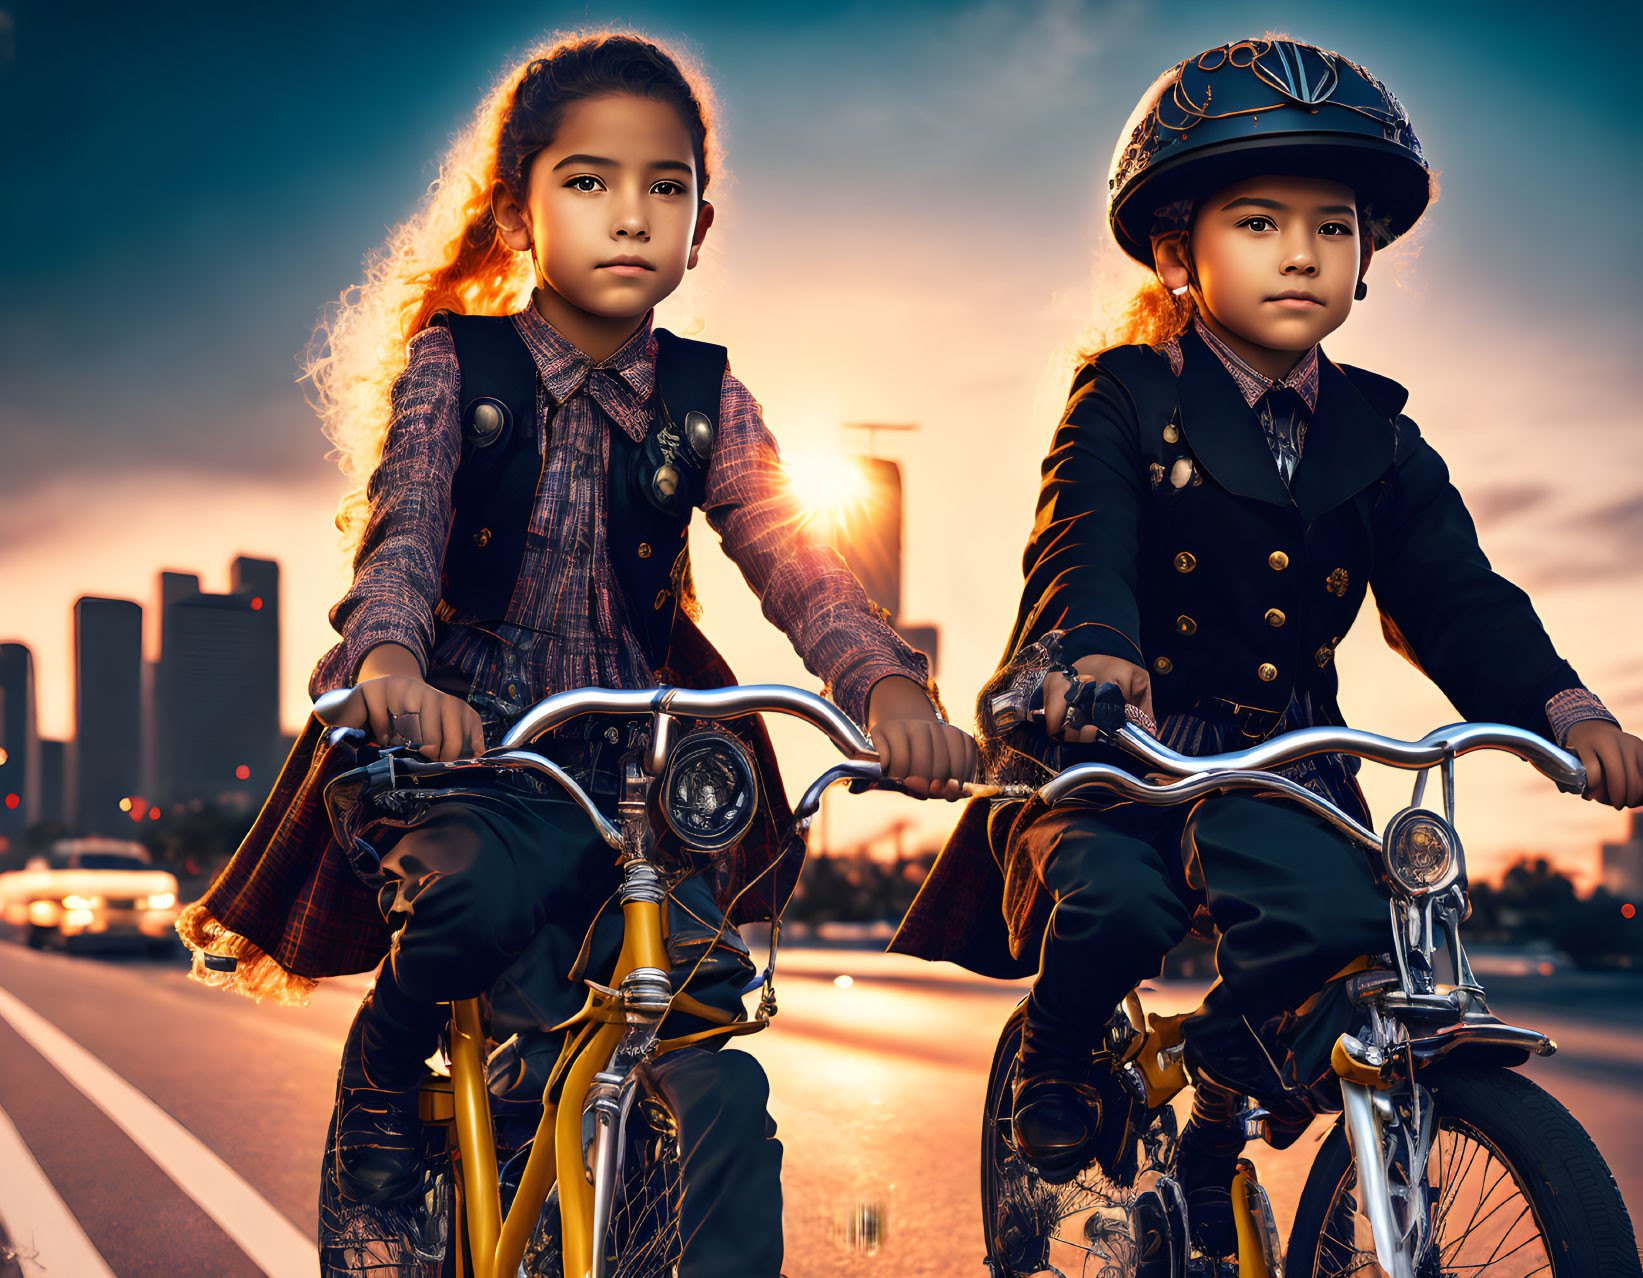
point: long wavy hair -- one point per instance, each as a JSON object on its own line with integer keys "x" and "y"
{"x": 448, "y": 255}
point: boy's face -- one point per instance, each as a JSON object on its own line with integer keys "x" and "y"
{"x": 613, "y": 217}
{"x": 1277, "y": 259}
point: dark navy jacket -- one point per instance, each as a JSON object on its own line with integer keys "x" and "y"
{"x": 1233, "y": 591}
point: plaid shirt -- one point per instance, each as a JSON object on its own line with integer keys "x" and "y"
{"x": 289, "y": 905}
{"x": 1283, "y": 407}
{"x": 565, "y": 627}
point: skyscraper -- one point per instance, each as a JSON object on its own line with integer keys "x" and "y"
{"x": 216, "y": 688}
{"x": 870, "y": 533}
{"x": 105, "y": 761}
{"x": 20, "y": 769}
{"x": 53, "y": 765}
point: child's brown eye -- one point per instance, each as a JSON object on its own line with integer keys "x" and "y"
{"x": 585, "y": 182}
{"x": 667, "y": 188}
{"x": 1258, "y": 223}
{"x": 1334, "y": 228}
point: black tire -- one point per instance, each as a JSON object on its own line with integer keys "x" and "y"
{"x": 1571, "y": 1200}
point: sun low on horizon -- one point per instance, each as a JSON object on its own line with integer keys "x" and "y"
{"x": 909, "y": 232}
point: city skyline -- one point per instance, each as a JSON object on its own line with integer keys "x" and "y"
{"x": 198, "y": 723}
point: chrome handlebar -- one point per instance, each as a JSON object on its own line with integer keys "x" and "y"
{"x": 690, "y": 703}
{"x": 1435, "y": 747}
{"x": 1186, "y": 789}
{"x": 1198, "y": 775}
{"x": 513, "y": 753}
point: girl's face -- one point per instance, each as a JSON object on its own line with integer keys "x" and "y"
{"x": 612, "y": 216}
{"x": 1276, "y": 259}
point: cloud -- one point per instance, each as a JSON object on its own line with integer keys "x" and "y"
{"x": 1620, "y": 523}
{"x": 1496, "y": 503}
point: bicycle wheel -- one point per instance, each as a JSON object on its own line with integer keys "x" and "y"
{"x": 363, "y": 1241}
{"x": 1515, "y": 1184}
{"x": 1080, "y": 1228}
{"x": 644, "y": 1239}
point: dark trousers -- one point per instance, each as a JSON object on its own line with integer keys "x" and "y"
{"x": 496, "y": 889}
{"x": 1293, "y": 900}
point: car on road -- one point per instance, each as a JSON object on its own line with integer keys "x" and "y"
{"x": 91, "y": 892}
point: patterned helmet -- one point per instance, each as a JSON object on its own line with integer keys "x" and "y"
{"x": 1263, "y": 106}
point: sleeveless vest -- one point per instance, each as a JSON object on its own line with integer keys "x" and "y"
{"x": 654, "y": 488}
{"x": 654, "y": 485}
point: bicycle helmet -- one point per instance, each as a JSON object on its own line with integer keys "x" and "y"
{"x": 1264, "y": 106}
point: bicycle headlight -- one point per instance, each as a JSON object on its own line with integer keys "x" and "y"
{"x": 1421, "y": 852}
{"x": 710, "y": 790}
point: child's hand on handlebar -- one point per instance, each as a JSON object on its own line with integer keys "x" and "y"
{"x": 931, "y": 759}
{"x": 394, "y": 706}
{"x": 1613, "y": 759}
{"x": 1131, "y": 679}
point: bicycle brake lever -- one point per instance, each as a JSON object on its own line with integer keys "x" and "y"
{"x": 1100, "y": 705}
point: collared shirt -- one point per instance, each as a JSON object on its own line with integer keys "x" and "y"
{"x": 566, "y": 625}
{"x": 1283, "y": 407}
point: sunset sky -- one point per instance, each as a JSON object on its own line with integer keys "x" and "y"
{"x": 910, "y": 231}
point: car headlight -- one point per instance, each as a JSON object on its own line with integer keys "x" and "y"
{"x": 162, "y": 900}
{"x": 710, "y": 790}
{"x": 72, "y": 902}
{"x": 1421, "y": 852}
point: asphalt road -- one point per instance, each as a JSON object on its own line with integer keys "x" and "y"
{"x": 150, "y": 1126}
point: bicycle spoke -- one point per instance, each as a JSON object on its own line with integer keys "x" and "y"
{"x": 1450, "y": 1192}
{"x": 1491, "y": 1212}
{"x": 1509, "y": 1228}
{"x": 1495, "y": 1259}
{"x": 1489, "y": 1162}
{"x": 1488, "y": 1207}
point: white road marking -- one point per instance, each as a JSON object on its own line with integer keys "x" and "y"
{"x": 267, "y": 1237}
{"x": 47, "y": 1237}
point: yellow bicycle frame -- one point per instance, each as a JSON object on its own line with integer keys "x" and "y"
{"x": 1155, "y": 1052}
{"x": 496, "y": 1245}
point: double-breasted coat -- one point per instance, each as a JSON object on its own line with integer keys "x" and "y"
{"x": 1232, "y": 589}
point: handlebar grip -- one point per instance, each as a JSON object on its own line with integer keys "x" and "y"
{"x": 328, "y": 706}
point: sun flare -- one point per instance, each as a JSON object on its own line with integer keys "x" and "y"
{"x": 828, "y": 485}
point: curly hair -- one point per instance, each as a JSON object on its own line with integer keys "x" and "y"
{"x": 448, "y": 255}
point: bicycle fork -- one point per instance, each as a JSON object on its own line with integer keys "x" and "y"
{"x": 1397, "y": 1216}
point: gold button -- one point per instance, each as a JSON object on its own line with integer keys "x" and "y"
{"x": 1163, "y": 665}
{"x": 1172, "y": 432}
{"x": 513, "y": 689}
{"x": 1278, "y": 560}
{"x": 1186, "y": 625}
{"x": 644, "y": 550}
{"x": 661, "y": 599}
{"x": 482, "y": 537}
{"x": 1184, "y": 562}
{"x": 1275, "y": 617}
{"x": 1324, "y": 655}
{"x": 1337, "y": 583}
{"x": 1268, "y": 672}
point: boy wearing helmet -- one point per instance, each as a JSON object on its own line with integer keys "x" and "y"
{"x": 1216, "y": 501}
